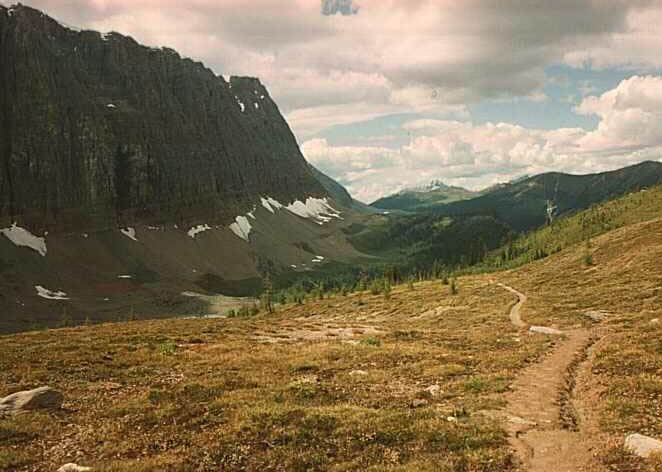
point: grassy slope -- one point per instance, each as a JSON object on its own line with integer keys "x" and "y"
{"x": 280, "y": 392}
{"x": 581, "y": 227}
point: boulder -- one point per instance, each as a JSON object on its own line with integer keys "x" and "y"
{"x": 358, "y": 372}
{"x": 643, "y": 446}
{"x": 71, "y": 467}
{"x": 37, "y": 399}
{"x": 544, "y": 330}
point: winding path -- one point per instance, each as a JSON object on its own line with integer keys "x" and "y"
{"x": 543, "y": 425}
{"x": 515, "y": 316}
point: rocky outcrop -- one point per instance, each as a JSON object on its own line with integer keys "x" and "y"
{"x": 98, "y": 131}
{"x": 42, "y": 398}
{"x": 643, "y": 446}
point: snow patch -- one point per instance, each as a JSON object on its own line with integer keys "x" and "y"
{"x": 241, "y": 227}
{"x": 49, "y": 294}
{"x": 251, "y": 214}
{"x": 315, "y": 208}
{"x": 111, "y": 105}
{"x": 240, "y": 103}
{"x": 257, "y": 105}
{"x": 193, "y": 232}
{"x": 271, "y": 204}
{"x": 125, "y": 276}
{"x": 129, "y": 233}
{"x": 22, "y": 237}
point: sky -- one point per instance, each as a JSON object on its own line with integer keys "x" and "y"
{"x": 387, "y": 94}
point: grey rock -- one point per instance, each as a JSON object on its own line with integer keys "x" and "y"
{"x": 37, "y": 399}
{"x": 71, "y": 467}
{"x": 544, "y": 330}
{"x": 358, "y": 372}
{"x": 643, "y": 446}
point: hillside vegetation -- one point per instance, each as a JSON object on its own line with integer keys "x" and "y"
{"x": 580, "y": 228}
{"x": 400, "y": 379}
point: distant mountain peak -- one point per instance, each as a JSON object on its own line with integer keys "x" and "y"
{"x": 432, "y": 186}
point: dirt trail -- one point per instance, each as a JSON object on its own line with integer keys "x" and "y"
{"x": 515, "y": 316}
{"x": 544, "y": 428}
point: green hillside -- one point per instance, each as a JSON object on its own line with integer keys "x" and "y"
{"x": 632, "y": 208}
{"x": 522, "y": 205}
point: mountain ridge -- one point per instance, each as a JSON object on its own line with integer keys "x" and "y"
{"x": 119, "y": 132}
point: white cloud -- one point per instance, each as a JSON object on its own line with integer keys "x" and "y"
{"x": 462, "y": 153}
{"x": 630, "y": 116}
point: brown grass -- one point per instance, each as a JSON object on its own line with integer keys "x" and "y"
{"x": 332, "y": 385}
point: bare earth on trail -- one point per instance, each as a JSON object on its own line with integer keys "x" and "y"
{"x": 515, "y": 317}
{"x": 534, "y": 414}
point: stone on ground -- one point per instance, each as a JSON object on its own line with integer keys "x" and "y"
{"x": 643, "y": 446}
{"x": 73, "y": 468}
{"x": 37, "y": 399}
{"x": 597, "y": 315}
{"x": 358, "y": 372}
{"x": 544, "y": 330}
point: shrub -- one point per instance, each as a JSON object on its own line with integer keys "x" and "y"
{"x": 376, "y": 287}
{"x": 167, "y": 348}
{"x": 386, "y": 288}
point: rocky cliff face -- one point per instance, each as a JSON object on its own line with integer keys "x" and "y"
{"x": 97, "y": 131}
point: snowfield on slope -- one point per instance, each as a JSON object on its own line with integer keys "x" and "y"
{"x": 22, "y": 237}
{"x": 241, "y": 227}
{"x": 317, "y": 209}
{"x": 49, "y": 294}
{"x": 194, "y": 231}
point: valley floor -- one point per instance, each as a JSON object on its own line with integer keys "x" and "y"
{"x": 421, "y": 380}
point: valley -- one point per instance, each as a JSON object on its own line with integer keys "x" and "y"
{"x": 191, "y": 282}
{"x": 418, "y": 378}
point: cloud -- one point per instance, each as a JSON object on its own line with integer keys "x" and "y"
{"x": 395, "y": 55}
{"x": 462, "y": 153}
{"x": 635, "y": 46}
{"x": 630, "y": 116}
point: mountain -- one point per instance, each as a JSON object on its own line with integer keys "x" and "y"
{"x": 464, "y": 232}
{"x": 522, "y": 205}
{"x": 423, "y": 197}
{"x": 97, "y": 130}
{"x": 129, "y": 175}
